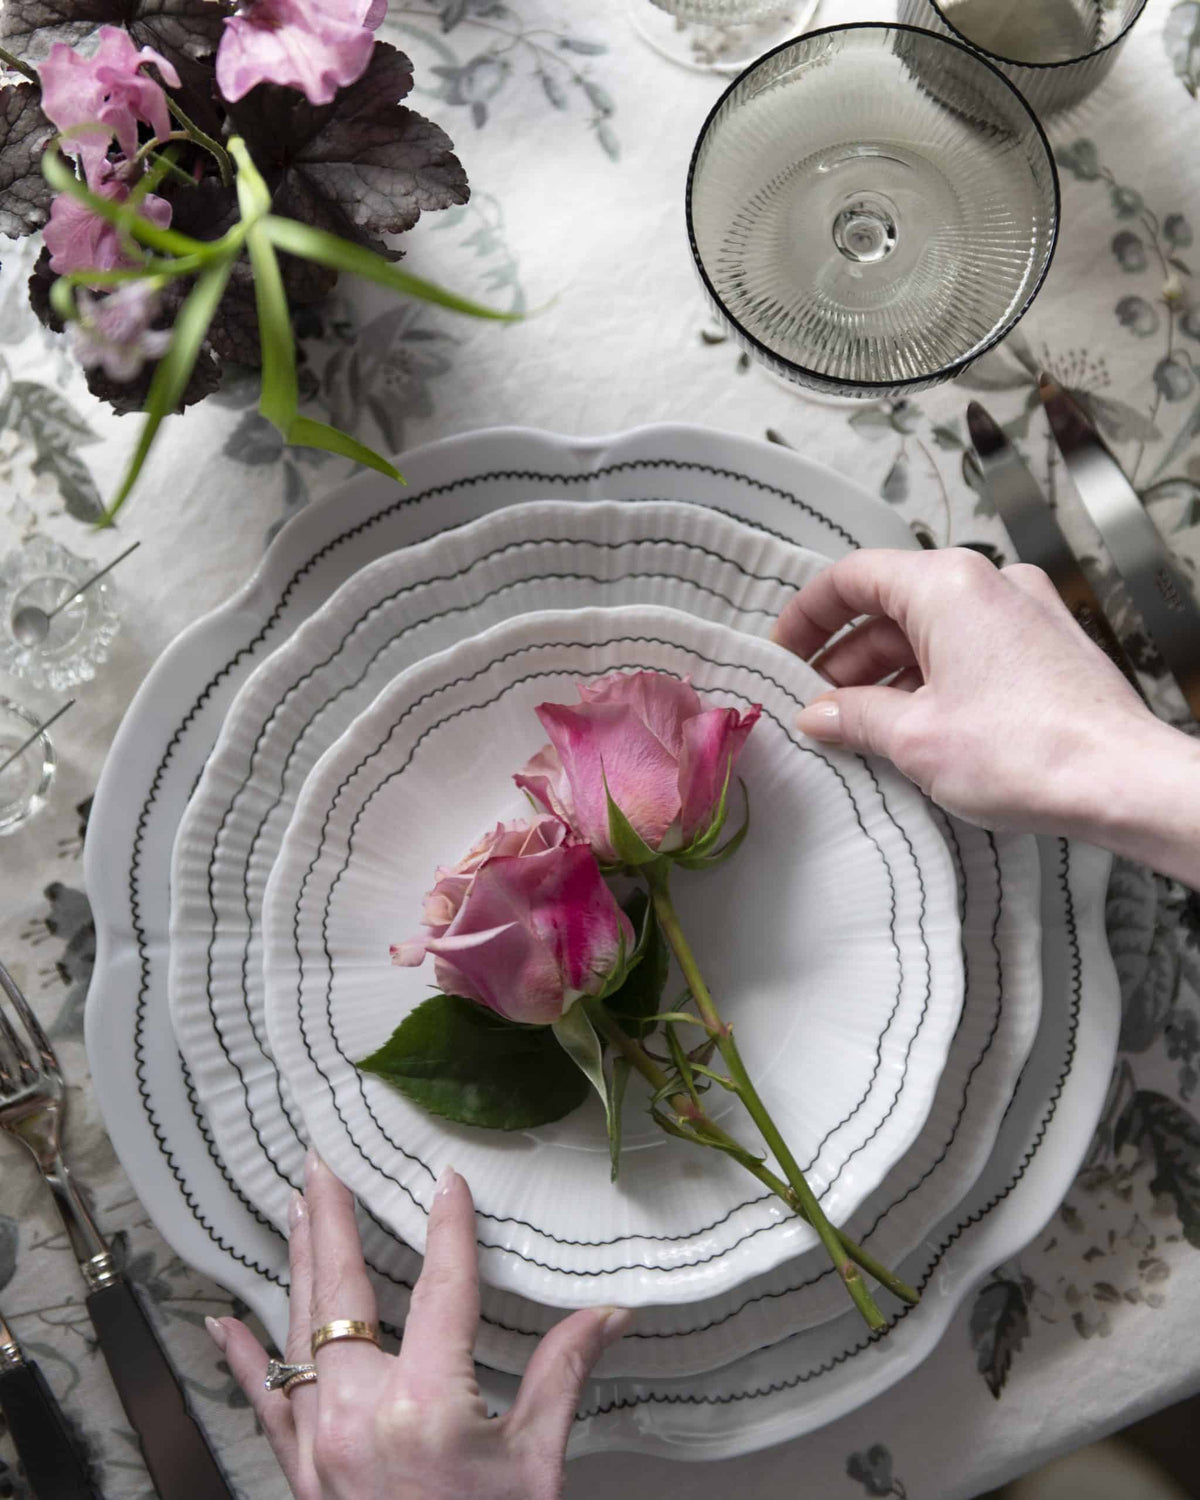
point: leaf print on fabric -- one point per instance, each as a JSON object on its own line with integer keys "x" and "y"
{"x": 70, "y": 921}
{"x": 1081, "y": 159}
{"x": 872, "y": 1468}
{"x": 1173, "y": 377}
{"x": 999, "y": 1326}
{"x": 1138, "y": 315}
{"x": 1129, "y": 251}
{"x": 1177, "y": 231}
{"x": 1167, "y": 1135}
{"x": 1137, "y": 942}
{"x": 55, "y": 429}
{"x": 1181, "y": 38}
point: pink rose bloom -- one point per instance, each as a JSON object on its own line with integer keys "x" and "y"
{"x": 316, "y": 46}
{"x": 92, "y": 99}
{"x": 665, "y": 757}
{"x": 524, "y": 924}
{"x": 79, "y": 240}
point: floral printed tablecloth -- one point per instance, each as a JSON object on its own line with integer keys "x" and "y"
{"x": 576, "y": 137}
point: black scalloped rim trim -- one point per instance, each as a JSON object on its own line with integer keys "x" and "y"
{"x": 268, "y": 626}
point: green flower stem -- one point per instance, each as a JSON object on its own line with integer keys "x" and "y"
{"x": 202, "y": 138}
{"x": 17, "y": 65}
{"x": 637, "y": 1056}
{"x": 658, "y": 879}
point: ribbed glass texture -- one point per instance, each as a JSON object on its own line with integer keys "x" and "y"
{"x": 723, "y": 12}
{"x": 870, "y": 208}
{"x": 1055, "y": 51}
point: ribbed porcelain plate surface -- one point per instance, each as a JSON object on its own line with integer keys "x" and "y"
{"x": 833, "y": 939}
{"x": 396, "y": 611}
{"x": 146, "y": 1093}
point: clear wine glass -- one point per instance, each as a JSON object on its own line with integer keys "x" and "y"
{"x": 1055, "y": 51}
{"x": 718, "y": 36}
{"x": 870, "y": 208}
{"x": 25, "y": 777}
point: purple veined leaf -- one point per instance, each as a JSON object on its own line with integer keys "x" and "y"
{"x": 24, "y": 133}
{"x": 180, "y": 29}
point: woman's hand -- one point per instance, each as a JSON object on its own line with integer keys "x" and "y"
{"x": 376, "y": 1426}
{"x": 998, "y": 705}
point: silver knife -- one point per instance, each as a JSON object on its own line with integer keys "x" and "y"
{"x": 1159, "y": 590}
{"x": 1035, "y": 533}
{"x": 53, "y": 1464}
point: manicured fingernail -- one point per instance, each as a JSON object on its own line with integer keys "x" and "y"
{"x": 217, "y": 1332}
{"x": 616, "y": 1324}
{"x": 821, "y": 719}
{"x": 297, "y": 1209}
{"x": 445, "y": 1182}
{"x": 312, "y": 1164}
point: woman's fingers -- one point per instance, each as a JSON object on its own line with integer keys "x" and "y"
{"x": 340, "y": 1287}
{"x": 443, "y": 1317}
{"x": 553, "y": 1384}
{"x": 303, "y": 1398}
{"x": 860, "y": 718}
{"x": 247, "y": 1361}
{"x": 866, "y": 654}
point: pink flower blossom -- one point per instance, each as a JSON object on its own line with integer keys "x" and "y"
{"x": 665, "y": 758}
{"x": 529, "y": 931}
{"x": 92, "y": 99}
{"x": 80, "y": 240}
{"x": 115, "y": 332}
{"x": 316, "y": 46}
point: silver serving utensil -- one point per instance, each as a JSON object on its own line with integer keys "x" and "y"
{"x": 53, "y": 1464}
{"x": 33, "y": 1100}
{"x": 36, "y": 735}
{"x": 31, "y": 624}
{"x": 1036, "y": 535}
{"x": 1162, "y": 595}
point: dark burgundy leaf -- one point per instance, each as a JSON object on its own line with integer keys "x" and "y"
{"x": 176, "y": 28}
{"x": 24, "y": 130}
{"x": 363, "y": 166}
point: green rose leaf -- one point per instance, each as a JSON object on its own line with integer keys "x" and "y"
{"x": 639, "y": 999}
{"x": 464, "y": 1062}
{"x": 630, "y": 847}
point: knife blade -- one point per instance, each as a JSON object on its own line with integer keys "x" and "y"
{"x": 1036, "y": 535}
{"x": 54, "y": 1466}
{"x": 1160, "y": 592}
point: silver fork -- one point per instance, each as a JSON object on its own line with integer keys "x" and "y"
{"x": 33, "y": 1101}
{"x": 32, "y": 1108}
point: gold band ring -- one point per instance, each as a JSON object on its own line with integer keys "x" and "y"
{"x": 344, "y": 1328}
{"x": 301, "y": 1377}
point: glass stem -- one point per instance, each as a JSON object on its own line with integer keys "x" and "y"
{"x": 805, "y": 1200}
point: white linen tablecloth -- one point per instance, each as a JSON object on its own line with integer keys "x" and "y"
{"x": 576, "y": 139}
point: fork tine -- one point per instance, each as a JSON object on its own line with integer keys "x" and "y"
{"x": 31, "y": 1023}
{"x": 15, "y": 1067}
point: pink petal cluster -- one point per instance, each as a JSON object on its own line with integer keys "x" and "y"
{"x": 664, "y": 756}
{"x": 115, "y": 332}
{"x": 79, "y": 240}
{"x": 316, "y": 46}
{"x": 92, "y": 99}
{"x": 523, "y": 924}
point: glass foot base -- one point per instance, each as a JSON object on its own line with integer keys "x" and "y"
{"x": 706, "y": 48}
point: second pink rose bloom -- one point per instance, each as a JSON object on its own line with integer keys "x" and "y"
{"x": 665, "y": 757}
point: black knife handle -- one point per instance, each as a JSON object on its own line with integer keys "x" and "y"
{"x": 174, "y": 1446}
{"x": 54, "y": 1466}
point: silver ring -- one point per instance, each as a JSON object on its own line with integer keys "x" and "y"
{"x": 279, "y": 1373}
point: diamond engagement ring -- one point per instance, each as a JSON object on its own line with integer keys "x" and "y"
{"x": 285, "y": 1377}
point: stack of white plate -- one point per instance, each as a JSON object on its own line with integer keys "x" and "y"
{"x": 930, "y": 1009}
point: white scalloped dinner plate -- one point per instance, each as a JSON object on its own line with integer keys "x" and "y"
{"x": 832, "y": 939}
{"x": 393, "y": 612}
{"x": 145, "y": 1092}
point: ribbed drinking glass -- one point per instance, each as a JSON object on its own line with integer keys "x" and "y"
{"x": 870, "y": 208}
{"x": 718, "y": 36}
{"x": 1055, "y": 51}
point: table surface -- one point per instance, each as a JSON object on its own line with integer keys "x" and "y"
{"x": 576, "y": 139}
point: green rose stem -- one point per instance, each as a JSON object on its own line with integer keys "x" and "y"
{"x": 708, "y": 1132}
{"x": 658, "y": 878}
